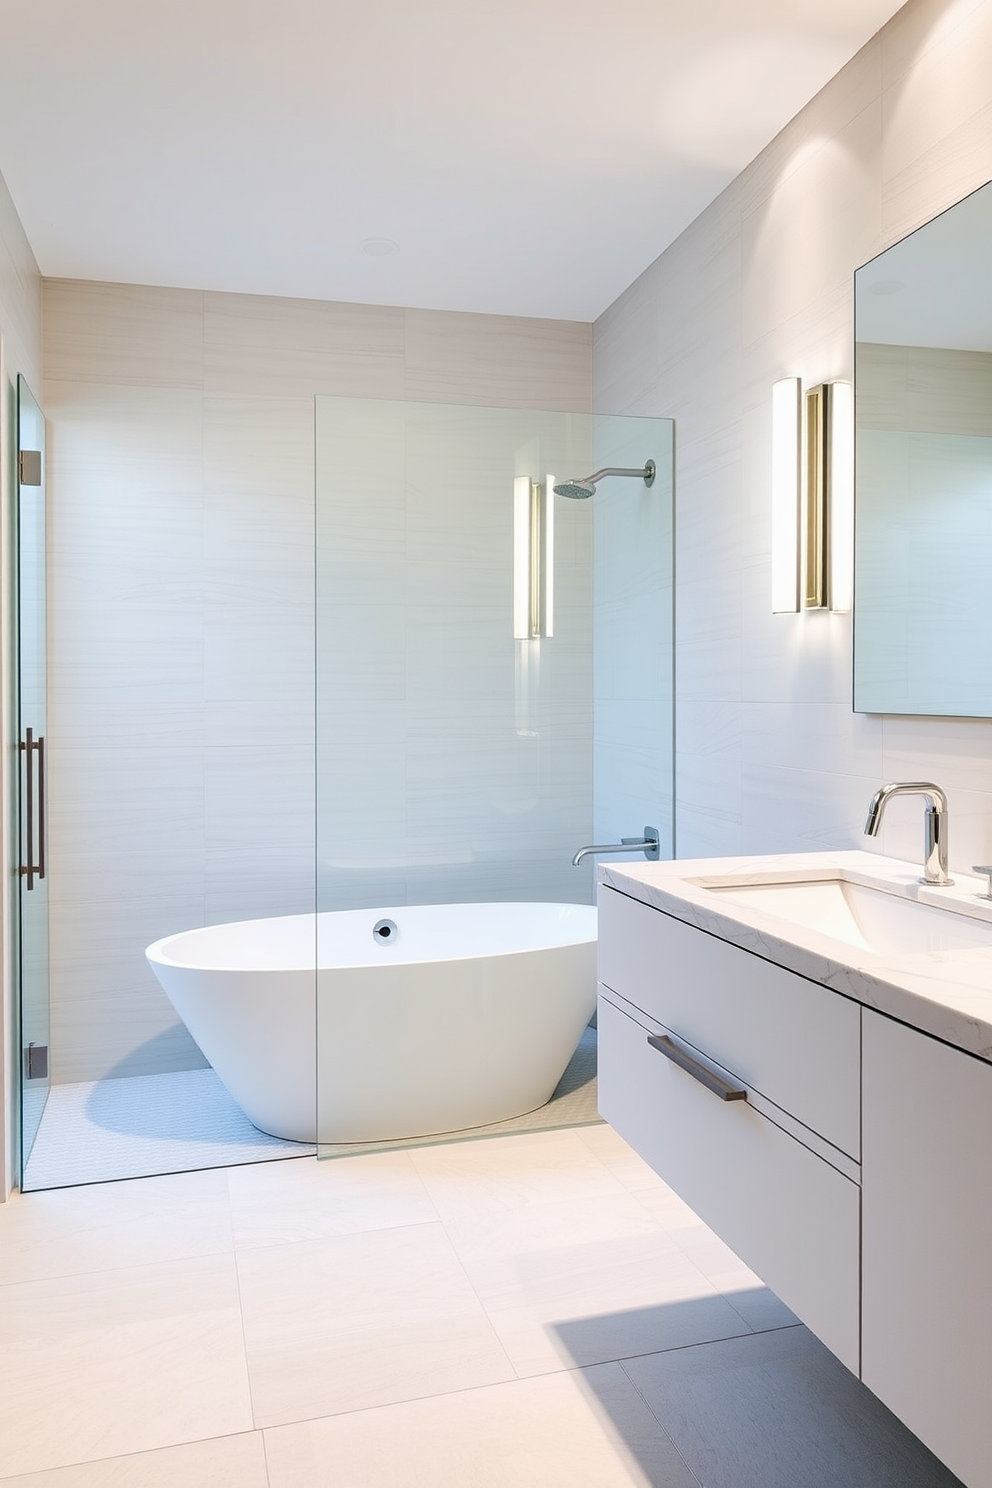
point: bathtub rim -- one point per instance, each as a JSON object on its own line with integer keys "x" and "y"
{"x": 157, "y": 951}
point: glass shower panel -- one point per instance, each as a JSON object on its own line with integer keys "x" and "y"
{"x": 454, "y": 761}
{"x": 32, "y": 685}
{"x": 633, "y": 634}
{"x": 455, "y": 757}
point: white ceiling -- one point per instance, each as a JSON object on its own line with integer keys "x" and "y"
{"x": 527, "y": 157}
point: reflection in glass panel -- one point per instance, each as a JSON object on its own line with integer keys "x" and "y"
{"x": 923, "y": 362}
{"x": 457, "y": 763}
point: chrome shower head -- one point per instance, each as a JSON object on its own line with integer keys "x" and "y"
{"x": 581, "y": 490}
{"x": 577, "y": 490}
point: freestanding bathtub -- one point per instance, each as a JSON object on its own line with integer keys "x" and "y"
{"x": 458, "y": 1016}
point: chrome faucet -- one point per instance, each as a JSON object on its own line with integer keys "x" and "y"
{"x": 935, "y": 859}
{"x": 650, "y": 844}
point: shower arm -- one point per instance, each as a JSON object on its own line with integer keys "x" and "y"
{"x": 639, "y": 471}
{"x": 650, "y": 844}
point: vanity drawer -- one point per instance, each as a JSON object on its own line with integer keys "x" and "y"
{"x": 792, "y": 1040}
{"x": 789, "y": 1215}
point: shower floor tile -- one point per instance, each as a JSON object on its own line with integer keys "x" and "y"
{"x": 96, "y": 1131}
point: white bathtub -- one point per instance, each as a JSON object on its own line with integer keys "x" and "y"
{"x": 468, "y": 1015}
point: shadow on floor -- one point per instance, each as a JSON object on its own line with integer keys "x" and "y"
{"x": 744, "y": 1409}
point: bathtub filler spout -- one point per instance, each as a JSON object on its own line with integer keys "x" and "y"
{"x": 650, "y": 843}
{"x": 935, "y": 821}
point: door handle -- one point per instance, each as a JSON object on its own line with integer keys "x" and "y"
{"x": 33, "y": 747}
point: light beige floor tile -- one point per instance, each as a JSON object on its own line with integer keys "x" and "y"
{"x": 536, "y": 1228}
{"x": 621, "y": 1160}
{"x": 584, "y": 1429}
{"x": 594, "y": 1301}
{"x": 111, "y": 1362}
{"x": 361, "y": 1320}
{"x": 664, "y": 1205}
{"x": 223, "y": 1462}
{"x": 723, "y": 1269}
{"x": 280, "y": 1203}
{"x": 98, "y": 1227}
{"x": 482, "y": 1180}
{"x": 776, "y": 1410}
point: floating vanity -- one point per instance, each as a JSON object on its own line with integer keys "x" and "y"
{"x": 802, "y": 1047}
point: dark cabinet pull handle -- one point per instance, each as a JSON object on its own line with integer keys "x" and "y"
{"x": 697, "y": 1069}
{"x": 32, "y": 746}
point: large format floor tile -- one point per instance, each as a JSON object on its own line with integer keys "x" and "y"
{"x": 504, "y": 1312}
{"x": 622, "y": 1161}
{"x": 223, "y": 1462}
{"x": 584, "y": 1429}
{"x": 485, "y": 1180}
{"x": 280, "y": 1203}
{"x": 67, "y": 1231}
{"x": 362, "y": 1320}
{"x": 633, "y": 1294}
{"x": 113, "y": 1362}
{"x": 777, "y": 1410}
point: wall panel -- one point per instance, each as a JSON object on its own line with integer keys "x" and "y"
{"x": 900, "y": 133}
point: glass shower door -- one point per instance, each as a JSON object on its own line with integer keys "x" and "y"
{"x": 33, "y": 732}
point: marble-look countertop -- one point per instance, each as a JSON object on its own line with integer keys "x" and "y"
{"x": 944, "y": 993}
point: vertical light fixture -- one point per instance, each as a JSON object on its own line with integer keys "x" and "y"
{"x": 548, "y": 553}
{"x": 841, "y": 596}
{"x": 812, "y": 496}
{"x": 533, "y": 558}
{"x": 816, "y": 499}
{"x": 786, "y": 445}
{"x": 521, "y": 557}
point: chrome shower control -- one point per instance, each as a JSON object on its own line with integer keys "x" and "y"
{"x": 985, "y": 868}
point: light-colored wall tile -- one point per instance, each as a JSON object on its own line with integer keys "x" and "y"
{"x": 273, "y": 347}
{"x": 498, "y": 360}
{"x": 123, "y": 334}
{"x": 183, "y": 633}
{"x": 770, "y": 755}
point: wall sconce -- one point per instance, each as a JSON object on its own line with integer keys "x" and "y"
{"x": 786, "y": 448}
{"x": 533, "y": 557}
{"x": 812, "y": 496}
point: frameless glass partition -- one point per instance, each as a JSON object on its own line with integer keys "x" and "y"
{"x": 32, "y": 703}
{"x": 494, "y": 692}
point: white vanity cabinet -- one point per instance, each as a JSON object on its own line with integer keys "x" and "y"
{"x": 855, "y": 1177}
{"x": 927, "y": 1245}
{"x": 775, "y": 1174}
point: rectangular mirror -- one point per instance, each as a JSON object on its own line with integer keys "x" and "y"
{"x": 923, "y": 477}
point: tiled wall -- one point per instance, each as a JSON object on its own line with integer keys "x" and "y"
{"x": 181, "y": 486}
{"x": 770, "y": 756}
{"x": 20, "y": 352}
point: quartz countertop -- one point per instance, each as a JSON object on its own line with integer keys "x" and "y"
{"x": 944, "y": 993}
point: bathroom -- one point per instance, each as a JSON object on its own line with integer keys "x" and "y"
{"x": 769, "y": 756}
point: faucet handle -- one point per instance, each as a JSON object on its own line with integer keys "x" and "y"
{"x": 985, "y": 868}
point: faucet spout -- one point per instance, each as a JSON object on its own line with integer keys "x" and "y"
{"x": 650, "y": 843}
{"x": 935, "y": 823}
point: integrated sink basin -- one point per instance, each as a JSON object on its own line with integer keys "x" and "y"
{"x": 871, "y": 919}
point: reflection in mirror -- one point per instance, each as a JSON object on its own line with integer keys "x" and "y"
{"x": 923, "y": 392}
